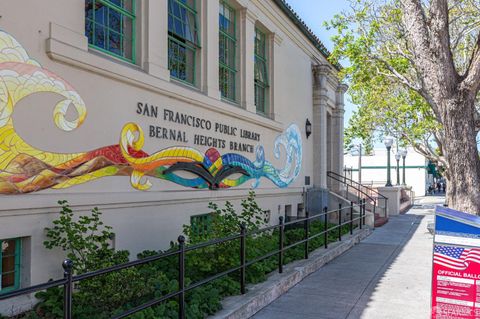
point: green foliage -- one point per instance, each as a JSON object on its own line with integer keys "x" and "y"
{"x": 83, "y": 239}
{"x": 296, "y": 234}
{"x": 86, "y": 241}
{"x": 382, "y": 78}
{"x": 221, "y": 257}
{"x": 226, "y": 221}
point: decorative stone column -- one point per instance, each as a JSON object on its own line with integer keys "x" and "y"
{"x": 319, "y": 125}
{"x": 247, "y": 36}
{"x": 337, "y": 134}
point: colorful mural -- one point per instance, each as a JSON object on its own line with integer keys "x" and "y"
{"x": 25, "y": 169}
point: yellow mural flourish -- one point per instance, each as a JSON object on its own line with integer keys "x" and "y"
{"x": 21, "y": 76}
{"x": 132, "y": 137}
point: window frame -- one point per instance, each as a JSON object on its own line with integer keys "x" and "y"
{"x": 264, "y": 85}
{"x": 122, "y": 11}
{"x": 187, "y": 44}
{"x": 18, "y": 263}
{"x": 223, "y": 66}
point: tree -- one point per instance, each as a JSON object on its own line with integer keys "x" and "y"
{"x": 415, "y": 70}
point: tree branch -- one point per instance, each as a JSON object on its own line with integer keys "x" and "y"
{"x": 460, "y": 34}
{"x": 415, "y": 21}
{"x": 438, "y": 136}
{"x": 472, "y": 76}
{"x": 425, "y": 150}
{"x": 431, "y": 46}
{"x": 406, "y": 82}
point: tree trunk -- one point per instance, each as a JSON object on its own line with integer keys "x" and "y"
{"x": 450, "y": 95}
{"x": 463, "y": 188}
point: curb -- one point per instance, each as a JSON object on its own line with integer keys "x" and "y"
{"x": 260, "y": 295}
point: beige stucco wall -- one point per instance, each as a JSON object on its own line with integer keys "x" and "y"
{"x": 52, "y": 33}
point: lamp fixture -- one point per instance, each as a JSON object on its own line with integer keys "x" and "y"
{"x": 388, "y": 141}
{"x": 308, "y": 128}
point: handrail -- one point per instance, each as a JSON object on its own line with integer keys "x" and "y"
{"x": 332, "y": 176}
{"x": 363, "y": 190}
{"x": 352, "y": 182}
{"x": 347, "y": 212}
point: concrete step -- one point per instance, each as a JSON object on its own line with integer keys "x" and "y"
{"x": 380, "y": 221}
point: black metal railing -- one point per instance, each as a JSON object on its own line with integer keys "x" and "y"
{"x": 362, "y": 192}
{"x": 347, "y": 215}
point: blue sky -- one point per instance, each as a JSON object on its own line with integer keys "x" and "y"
{"x": 314, "y": 13}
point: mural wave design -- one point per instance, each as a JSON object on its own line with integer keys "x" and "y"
{"x": 24, "y": 169}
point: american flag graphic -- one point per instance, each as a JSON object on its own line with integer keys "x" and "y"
{"x": 455, "y": 257}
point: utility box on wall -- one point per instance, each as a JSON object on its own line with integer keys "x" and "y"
{"x": 316, "y": 200}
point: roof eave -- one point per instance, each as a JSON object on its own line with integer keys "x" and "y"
{"x": 293, "y": 16}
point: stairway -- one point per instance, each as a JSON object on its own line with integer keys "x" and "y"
{"x": 379, "y": 220}
{"x": 376, "y": 203}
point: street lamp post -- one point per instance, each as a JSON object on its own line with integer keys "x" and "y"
{"x": 358, "y": 148}
{"x": 404, "y": 154}
{"x": 360, "y": 163}
{"x": 397, "y": 158}
{"x": 388, "y": 141}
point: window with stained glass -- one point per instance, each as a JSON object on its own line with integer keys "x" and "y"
{"x": 110, "y": 27}
{"x": 227, "y": 51}
{"x": 261, "y": 73}
{"x": 183, "y": 39}
{"x": 10, "y": 250}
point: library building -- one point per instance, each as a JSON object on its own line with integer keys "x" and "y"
{"x": 152, "y": 109}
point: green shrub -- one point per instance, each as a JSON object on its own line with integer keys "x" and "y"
{"x": 86, "y": 241}
{"x": 221, "y": 257}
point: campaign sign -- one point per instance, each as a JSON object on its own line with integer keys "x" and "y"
{"x": 456, "y": 265}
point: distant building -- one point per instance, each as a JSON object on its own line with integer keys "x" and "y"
{"x": 374, "y": 169}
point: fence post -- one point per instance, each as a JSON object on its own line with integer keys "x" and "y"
{"x": 364, "y": 210}
{"x": 280, "y": 245}
{"x": 306, "y": 225}
{"x": 351, "y": 217}
{"x": 181, "y": 277}
{"x": 242, "y": 257}
{"x": 325, "y": 231}
{"x": 339, "y": 222}
{"x": 385, "y": 210}
{"x": 361, "y": 211}
{"x": 67, "y": 288}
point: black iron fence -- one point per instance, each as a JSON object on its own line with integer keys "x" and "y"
{"x": 353, "y": 215}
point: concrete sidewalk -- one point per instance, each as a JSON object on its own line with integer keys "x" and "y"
{"x": 385, "y": 276}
